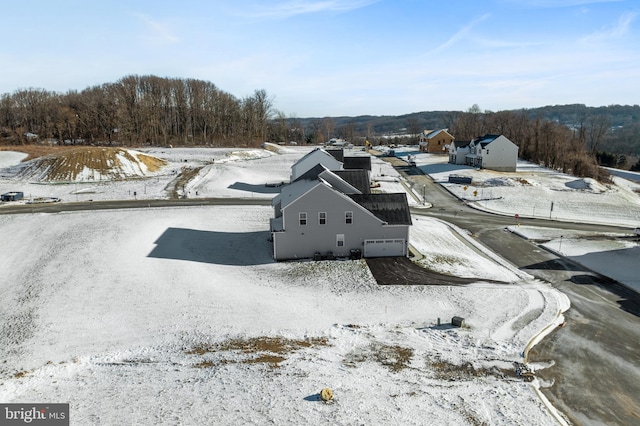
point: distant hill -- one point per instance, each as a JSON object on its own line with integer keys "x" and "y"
{"x": 623, "y": 138}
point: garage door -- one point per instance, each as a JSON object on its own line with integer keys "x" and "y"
{"x": 384, "y": 248}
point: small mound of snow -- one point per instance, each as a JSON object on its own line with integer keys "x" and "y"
{"x": 11, "y": 158}
{"x": 586, "y": 184}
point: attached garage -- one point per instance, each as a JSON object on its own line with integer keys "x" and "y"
{"x": 384, "y": 248}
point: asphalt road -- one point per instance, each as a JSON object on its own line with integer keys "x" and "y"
{"x": 127, "y": 204}
{"x": 595, "y": 378}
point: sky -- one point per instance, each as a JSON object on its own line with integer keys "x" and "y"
{"x": 318, "y": 58}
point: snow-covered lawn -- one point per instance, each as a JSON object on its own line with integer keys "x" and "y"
{"x": 533, "y": 191}
{"x": 181, "y": 316}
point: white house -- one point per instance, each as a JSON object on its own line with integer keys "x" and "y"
{"x": 494, "y": 152}
{"x": 458, "y": 151}
{"x": 312, "y": 159}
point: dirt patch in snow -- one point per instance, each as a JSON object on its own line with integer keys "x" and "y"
{"x": 402, "y": 271}
{"x": 395, "y": 358}
{"x": 258, "y": 350}
{"x": 91, "y": 163}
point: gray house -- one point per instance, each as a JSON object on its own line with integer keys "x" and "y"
{"x": 327, "y": 216}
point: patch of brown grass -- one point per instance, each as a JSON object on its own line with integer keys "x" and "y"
{"x": 447, "y": 371}
{"x": 258, "y": 350}
{"x": 36, "y": 151}
{"x": 395, "y": 358}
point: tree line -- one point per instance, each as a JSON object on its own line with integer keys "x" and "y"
{"x": 139, "y": 110}
{"x": 570, "y": 149}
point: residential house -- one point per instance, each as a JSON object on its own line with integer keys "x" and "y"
{"x": 327, "y": 216}
{"x": 458, "y": 151}
{"x": 435, "y": 141}
{"x": 313, "y": 158}
{"x": 494, "y": 152}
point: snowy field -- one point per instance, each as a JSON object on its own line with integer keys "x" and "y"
{"x": 181, "y": 316}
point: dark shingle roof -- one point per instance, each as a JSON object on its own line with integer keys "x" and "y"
{"x": 359, "y": 179}
{"x": 390, "y": 208}
{"x": 461, "y": 144}
{"x": 487, "y": 139}
{"x": 338, "y": 154}
{"x": 312, "y": 173}
{"x": 360, "y": 162}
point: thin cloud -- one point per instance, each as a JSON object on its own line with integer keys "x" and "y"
{"x": 461, "y": 34}
{"x": 303, "y": 7}
{"x": 620, "y": 30}
{"x": 159, "y": 32}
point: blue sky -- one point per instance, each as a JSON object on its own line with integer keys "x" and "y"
{"x": 337, "y": 57}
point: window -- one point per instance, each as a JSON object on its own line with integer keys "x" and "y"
{"x": 322, "y": 218}
{"x": 340, "y": 240}
{"x": 348, "y": 218}
{"x": 303, "y": 218}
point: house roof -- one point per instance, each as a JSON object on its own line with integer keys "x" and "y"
{"x": 461, "y": 144}
{"x": 357, "y": 162}
{"x": 435, "y": 133}
{"x": 293, "y": 191}
{"x": 486, "y": 139}
{"x": 312, "y": 173}
{"x": 338, "y": 183}
{"x": 390, "y": 208}
{"x": 359, "y": 179}
{"x": 313, "y": 152}
{"x": 337, "y": 153}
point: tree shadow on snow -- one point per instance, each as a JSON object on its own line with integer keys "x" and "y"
{"x": 223, "y": 248}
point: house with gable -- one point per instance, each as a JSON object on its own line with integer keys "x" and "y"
{"x": 333, "y": 214}
{"x": 458, "y": 151}
{"x": 494, "y": 152}
{"x": 313, "y": 158}
{"x": 435, "y": 141}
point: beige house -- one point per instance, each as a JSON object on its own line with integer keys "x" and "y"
{"x": 435, "y": 141}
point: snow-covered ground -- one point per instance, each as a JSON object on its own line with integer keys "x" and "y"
{"x": 533, "y": 191}
{"x": 180, "y": 315}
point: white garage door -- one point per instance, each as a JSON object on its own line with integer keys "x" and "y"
{"x": 383, "y": 248}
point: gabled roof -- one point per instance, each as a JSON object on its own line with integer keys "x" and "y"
{"x": 390, "y": 208}
{"x": 336, "y": 182}
{"x": 313, "y": 152}
{"x": 357, "y": 178}
{"x": 461, "y": 144}
{"x": 435, "y": 133}
{"x": 357, "y": 162}
{"x": 312, "y": 173}
{"x": 486, "y": 139}
{"x": 337, "y": 153}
